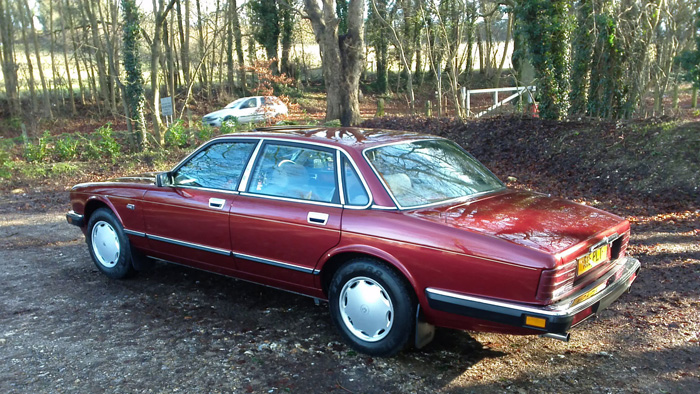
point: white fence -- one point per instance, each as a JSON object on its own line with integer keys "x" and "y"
{"x": 519, "y": 91}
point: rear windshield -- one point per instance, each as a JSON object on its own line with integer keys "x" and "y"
{"x": 431, "y": 171}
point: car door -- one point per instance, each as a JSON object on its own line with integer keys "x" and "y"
{"x": 248, "y": 110}
{"x": 187, "y": 220}
{"x": 287, "y": 215}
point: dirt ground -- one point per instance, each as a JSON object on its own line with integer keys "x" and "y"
{"x": 64, "y": 327}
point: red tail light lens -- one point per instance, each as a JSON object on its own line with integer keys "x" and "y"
{"x": 556, "y": 283}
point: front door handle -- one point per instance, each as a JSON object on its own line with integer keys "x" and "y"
{"x": 317, "y": 218}
{"x": 217, "y": 203}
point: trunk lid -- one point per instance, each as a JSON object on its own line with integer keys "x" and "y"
{"x": 529, "y": 219}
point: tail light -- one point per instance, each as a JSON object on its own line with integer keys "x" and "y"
{"x": 557, "y": 282}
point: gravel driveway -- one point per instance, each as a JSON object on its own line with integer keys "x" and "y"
{"x": 64, "y": 327}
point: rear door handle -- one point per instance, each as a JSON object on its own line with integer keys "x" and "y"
{"x": 317, "y": 218}
{"x": 217, "y": 203}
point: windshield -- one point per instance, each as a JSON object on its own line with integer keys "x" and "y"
{"x": 427, "y": 172}
{"x": 236, "y": 103}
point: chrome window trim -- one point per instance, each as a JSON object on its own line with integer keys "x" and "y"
{"x": 339, "y": 176}
{"x": 243, "y": 184}
{"x": 370, "y": 199}
{"x": 210, "y": 142}
{"x": 310, "y": 202}
{"x": 383, "y": 207}
{"x": 242, "y": 188}
{"x": 449, "y": 201}
{"x": 207, "y": 189}
{"x": 204, "y": 146}
{"x": 245, "y": 178}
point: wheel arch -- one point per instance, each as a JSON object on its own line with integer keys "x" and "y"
{"x": 340, "y": 257}
{"x": 94, "y": 203}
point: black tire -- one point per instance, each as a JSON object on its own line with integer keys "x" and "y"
{"x": 372, "y": 306}
{"x": 110, "y": 250}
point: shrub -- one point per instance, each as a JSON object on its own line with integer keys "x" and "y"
{"x": 65, "y": 148}
{"x": 177, "y": 135}
{"x": 204, "y": 133}
{"x": 229, "y": 126}
{"x": 40, "y": 151}
{"x": 5, "y": 163}
{"x": 108, "y": 146}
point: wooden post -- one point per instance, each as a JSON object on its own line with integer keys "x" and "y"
{"x": 428, "y": 108}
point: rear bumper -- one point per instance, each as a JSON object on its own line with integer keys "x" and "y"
{"x": 551, "y": 319}
{"x": 75, "y": 219}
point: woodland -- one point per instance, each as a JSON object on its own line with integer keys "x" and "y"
{"x": 115, "y": 59}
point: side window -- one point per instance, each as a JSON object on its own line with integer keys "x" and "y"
{"x": 219, "y": 166}
{"x": 355, "y": 193}
{"x": 251, "y": 103}
{"x": 295, "y": 172}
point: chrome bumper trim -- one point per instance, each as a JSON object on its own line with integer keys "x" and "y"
{"x": 559, "y": 316}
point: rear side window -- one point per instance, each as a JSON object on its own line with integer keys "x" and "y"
{"x": 219, "y": 166}
{"x": 355, "y": 193}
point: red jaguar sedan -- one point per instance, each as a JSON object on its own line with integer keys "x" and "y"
{"x": 400, "y": 232}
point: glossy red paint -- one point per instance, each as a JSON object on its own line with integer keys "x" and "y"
{"x": 492, "y": 247}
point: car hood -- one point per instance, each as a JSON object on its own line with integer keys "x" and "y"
{"x": 221, "y": 113}
{"x": 529, "y": 219}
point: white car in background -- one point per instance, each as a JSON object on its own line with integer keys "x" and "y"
{"x": 247, "y": 110}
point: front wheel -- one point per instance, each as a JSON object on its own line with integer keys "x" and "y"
{"x": 109, "y": 246}
{"x": 372, "y": 307}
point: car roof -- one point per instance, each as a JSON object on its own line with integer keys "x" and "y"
{"x": 352, "y": 137}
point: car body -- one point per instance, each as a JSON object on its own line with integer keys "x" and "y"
{"x": 247, "y": 110}
{"x": 399, "y": 231}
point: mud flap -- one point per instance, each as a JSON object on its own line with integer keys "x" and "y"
{"x": 141, "y": 262}
{"x": 425, "y": 332}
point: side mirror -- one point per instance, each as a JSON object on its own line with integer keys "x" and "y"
{"x": 162, "y": 179}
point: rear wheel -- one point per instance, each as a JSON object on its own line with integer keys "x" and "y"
{"x": 372, "y": 307}
{"x": 109, "y": 247}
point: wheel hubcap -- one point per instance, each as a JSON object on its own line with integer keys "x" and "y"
{"x": 105, "y": 244}
{"x": 366, "y": 309}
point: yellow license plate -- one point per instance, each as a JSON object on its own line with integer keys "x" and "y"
{"x": 590, "y": 293}
{"x": 592, "y": 259}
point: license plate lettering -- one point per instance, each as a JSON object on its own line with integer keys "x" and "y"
{"x": 592, "y": 259}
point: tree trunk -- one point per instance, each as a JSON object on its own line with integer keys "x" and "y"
{"x": 9, "y": 67}
{"x": 287, "y": 31}
{"x": 160, "y": 14}
{"x": 133, "y": 91}
{"x": 111, "y": 50}
{"x": 184, "y": 39}
{"x": 37, "y": 54}
{"x": 28, "y": 56}
{"x": 236, "y": 25}
{"x": 229, "y": 46}
{"x": 341, "y": 58}
{"x": 69, "y": 21}
{"x": 99, "y": 52}
{"x": 64, "y": 26}
{"x": 52, "y": 50}
{"x": 203, "y": 78}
